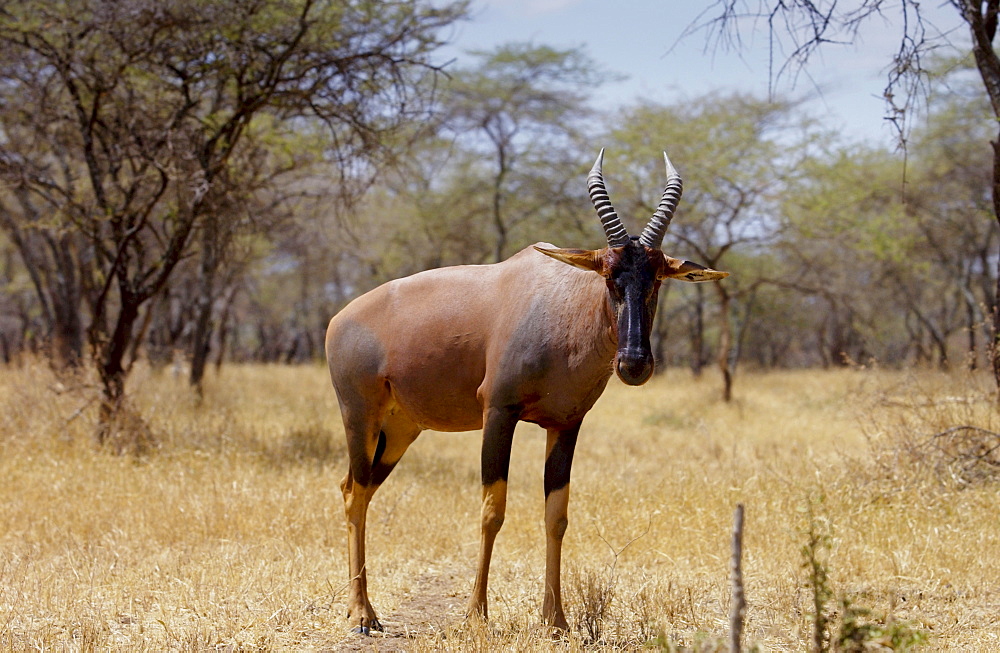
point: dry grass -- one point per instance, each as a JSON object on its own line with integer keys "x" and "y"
{"x": 229, "y": 533}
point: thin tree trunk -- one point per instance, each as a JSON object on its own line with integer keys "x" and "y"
{"x": 203, "y": 321}
{"x": 981, "y": 18}
{"x": 725, "y": 343}
{"x": 995, "y": 349}
{"x": 501, "y": 229}
{"x": 698, "y": 333}
{"x": 147, "y": 320}
{"x": 66, "y": 301}
{"x": 110, "y": 354}
{"x": 939, "y": 340}
{"x": 972, "y": 354}
{"x": 67, "y": 332}
{"x": 224, "y": 328}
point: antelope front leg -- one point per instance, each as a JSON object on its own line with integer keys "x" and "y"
{"x": 558, "y": 462}
{"x": 498, "y": 434}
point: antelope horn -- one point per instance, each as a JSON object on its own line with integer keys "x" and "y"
{"x": 652, "y": 235}
{"x": 613, "y": 227}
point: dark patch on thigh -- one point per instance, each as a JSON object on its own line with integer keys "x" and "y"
{"x": 379, "y": 449}
{"x": 355, "y": 357}
{"x": 380, "y": 470}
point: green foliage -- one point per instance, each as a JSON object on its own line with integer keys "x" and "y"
{"x": 839, "y": 623}
{"x": 813, "y": 554}
{"x": 858, "y": 632}
{"x": 521, "y": 91}
{"x": 495, "y": 172}
{"x": 726, "y": 148}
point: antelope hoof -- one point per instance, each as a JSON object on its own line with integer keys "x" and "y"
{"x": 365, "y": 629}
{"x": 557, "y": 621}
{"x": 476, "y": 611}
{"x": 364, "y": 617}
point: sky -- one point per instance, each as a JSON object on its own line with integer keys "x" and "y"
{"x": 842, "y": 86}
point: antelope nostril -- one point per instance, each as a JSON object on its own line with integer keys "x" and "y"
{"x": 634, "y": 369}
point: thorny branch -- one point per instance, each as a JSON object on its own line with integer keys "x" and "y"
{"x": 970, "y": 453}
{"x": 797, "y": 29}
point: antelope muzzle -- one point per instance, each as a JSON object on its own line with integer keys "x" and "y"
{"x": 634, "y": 366}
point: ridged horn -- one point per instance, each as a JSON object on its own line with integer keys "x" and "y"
{"x": 652, "y": 235}
{"x": 613, "y": 227}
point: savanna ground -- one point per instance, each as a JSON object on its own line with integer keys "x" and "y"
{"x": 227, "y": 532}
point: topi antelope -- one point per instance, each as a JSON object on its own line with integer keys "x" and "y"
{"x": 533, "y": 338}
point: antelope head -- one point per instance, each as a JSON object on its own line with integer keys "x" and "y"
{"x": 633, "y": 268}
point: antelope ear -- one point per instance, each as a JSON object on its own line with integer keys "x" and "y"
{"x": 675, "y": 268}
{"x": 585, "y": 259}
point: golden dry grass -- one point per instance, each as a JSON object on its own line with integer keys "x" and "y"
{"x": 229, "y": 534}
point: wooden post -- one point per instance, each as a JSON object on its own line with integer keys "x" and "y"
{"x": 738, "y": 605}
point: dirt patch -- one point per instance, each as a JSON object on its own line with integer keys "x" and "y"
{"x": 435, "y": 602}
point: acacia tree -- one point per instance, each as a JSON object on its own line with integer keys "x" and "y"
{"x": 122, "y": 119}
{"x": 280, "y": 173}
{"x": 843, "y": 246}
{"x": 950, "y": 204}
{"x": 517, "y": 114}
{"x": 804, "y": 26}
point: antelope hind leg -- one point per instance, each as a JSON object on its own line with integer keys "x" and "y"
{"x": 365, "y": 441}
{"x": 395, "y": 436}
{"x": 360, "y": 612}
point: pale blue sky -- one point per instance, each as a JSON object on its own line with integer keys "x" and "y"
{"x": 639, "y": 38}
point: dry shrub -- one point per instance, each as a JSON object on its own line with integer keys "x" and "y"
{"x": 593, "y": 593}
{"x": 933, "y": 426}
{"x": 128, "y": 433}
{"x": 965, "y": 454}
{"x": 647, "y": 612}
